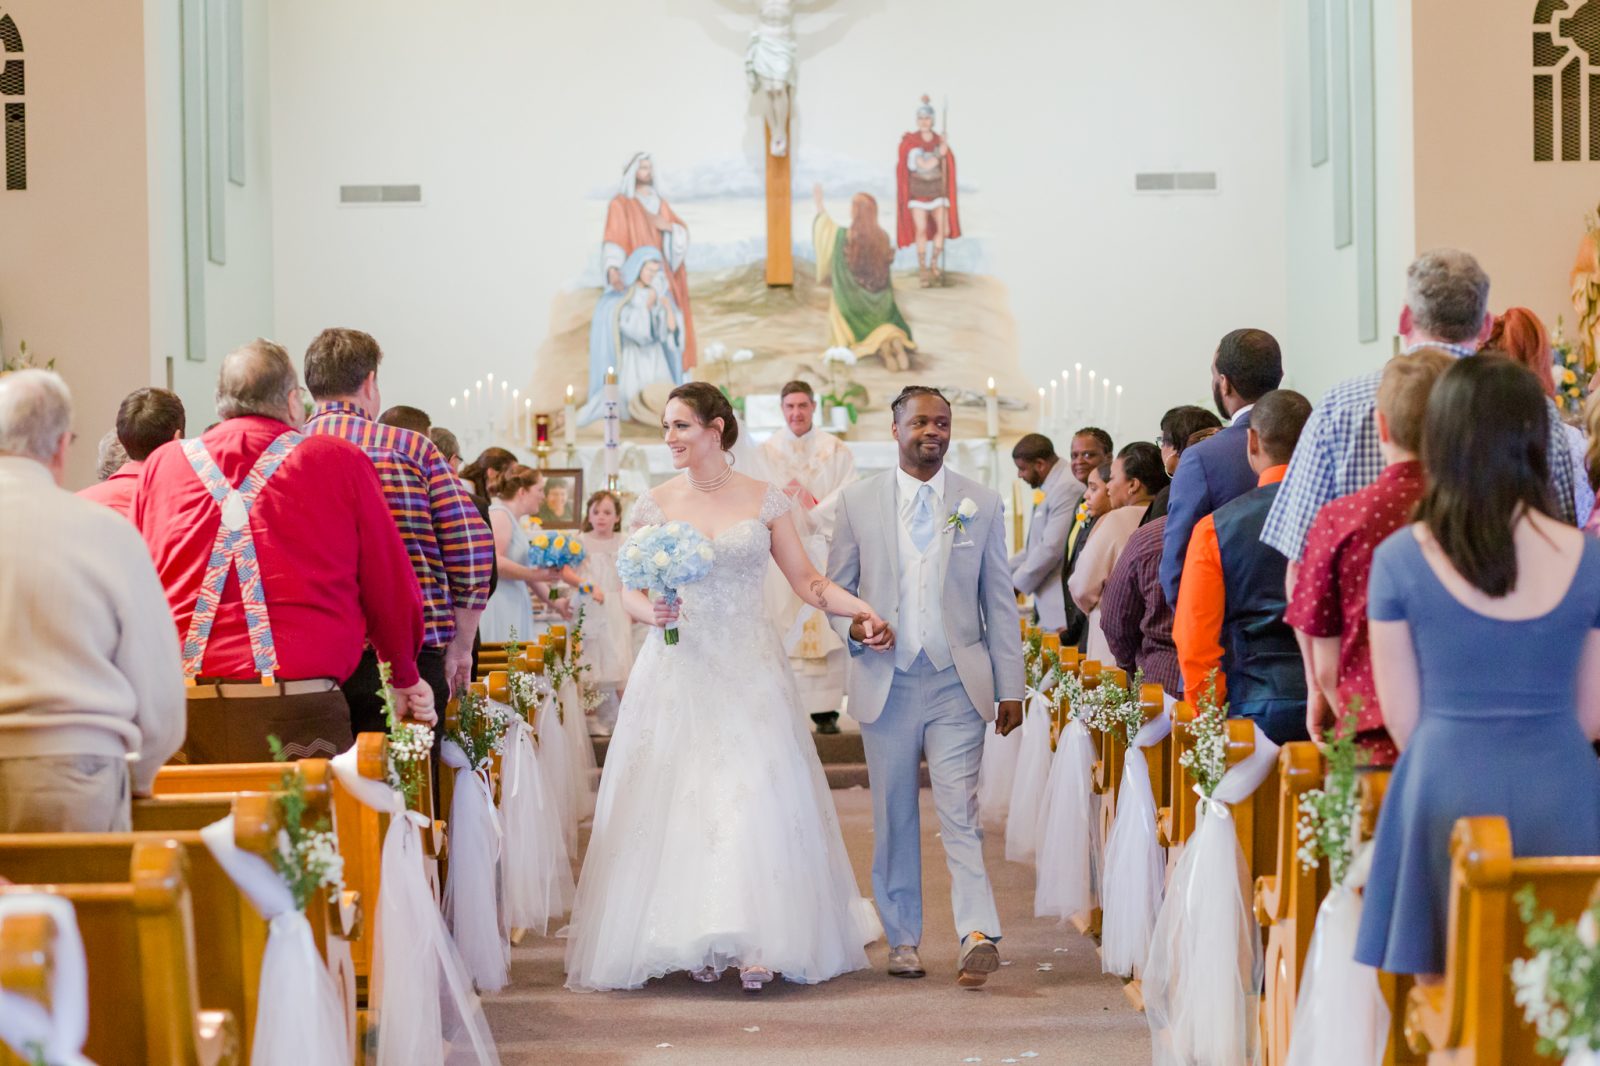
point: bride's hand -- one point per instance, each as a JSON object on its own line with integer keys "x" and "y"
{"x": 871, "y": 631}
{"x": 665, "y": 613}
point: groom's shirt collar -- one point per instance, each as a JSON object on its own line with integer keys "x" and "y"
{"x": 908, "y": 487}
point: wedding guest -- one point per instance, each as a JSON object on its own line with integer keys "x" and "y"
{"x": 1329, "y": 604}
{"x": 1591, "y": 457}
{"x": 518, "y": 493}
{"x": 607, "y": 629}
{"x": 1446, "y": 307}
{"x": 90, "y": 674}
{"x": 1036, "y": 569}
{"x": 1090, "y": 448}
{"x": 1133, "y": 479}
{"x": 450, "y": 448}
{"x": 484, "y": 471}
{"x": 1134, "y": 615}
{"x": 1483, "y": 618}
{"x": 1246, "y": 366}
{"x": 1229, "y": 614}
{"x": 1177, "y": 427}
{"x": 413, "y": 418}
{"x": 451, "y": 551}
{"x": 1521, "y": 337}
{"x": 332, "y": 571}
{"x": 109, "y": 455}
{"x": 146, "y": 419}
{"x": 1096, "y": 504}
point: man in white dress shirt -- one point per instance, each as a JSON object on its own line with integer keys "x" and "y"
{"x": 810, "y": 466}
{"x": 1036, "y": 569}
{"x": 926, "y": 547}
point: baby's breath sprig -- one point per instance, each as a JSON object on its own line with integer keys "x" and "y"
{"x": 1328, "y": 815}
{"x": 306, "y": 858}
{"x": 1207, "y": 760}
{"x": 480, "y": 729}
{"x": 1558, "y": 988}
{"x": 410, "y": 743}
{"x": 1119, "y": 708}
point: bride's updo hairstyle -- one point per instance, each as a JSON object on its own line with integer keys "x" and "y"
{"x": 708, "y": 403}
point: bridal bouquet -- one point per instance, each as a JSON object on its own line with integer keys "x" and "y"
{"x": 662, "y": 559}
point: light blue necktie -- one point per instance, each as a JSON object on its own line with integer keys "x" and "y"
{"x": 922, "y": 519}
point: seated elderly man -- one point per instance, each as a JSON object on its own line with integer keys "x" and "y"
{"x": 90, "y": 673}
{"x": 280, "y": 562}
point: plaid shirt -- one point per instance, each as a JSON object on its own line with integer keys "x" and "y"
{"x": 1338, "y": 454}
{"x": 451, "y": 549}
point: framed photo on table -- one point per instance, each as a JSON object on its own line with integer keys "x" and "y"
{"x": 563, "y": 499}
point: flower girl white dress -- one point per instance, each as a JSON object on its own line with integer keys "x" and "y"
{"x": 715, "y": 839}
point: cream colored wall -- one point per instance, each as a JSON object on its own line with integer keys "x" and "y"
{"x": 1478, "y": 187}
{"x": 510, "y": 115}
{"x": 1322, "y": 344}
{"x": 74, "y": 261}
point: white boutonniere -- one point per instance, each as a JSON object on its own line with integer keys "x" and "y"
{"x": 961, "y": 515}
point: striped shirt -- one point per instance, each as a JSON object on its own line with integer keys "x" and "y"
{"x": 1338, "y": 454}
{"x": 451, "y": 549}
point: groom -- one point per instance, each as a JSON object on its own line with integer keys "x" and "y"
{"x": 927, "y": 546}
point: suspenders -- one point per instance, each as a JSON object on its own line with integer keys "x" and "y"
{"x": 235, "y": 548}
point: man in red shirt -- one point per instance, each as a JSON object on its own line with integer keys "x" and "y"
{"x": 1329, "y": 603}
{"x": 280, "y": 560}
{"x": 147, "y": 419}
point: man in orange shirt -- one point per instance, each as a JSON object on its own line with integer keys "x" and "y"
{"x": 1231, "y": 603}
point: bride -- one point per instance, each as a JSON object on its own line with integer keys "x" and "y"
{"x": 715, "y": 840}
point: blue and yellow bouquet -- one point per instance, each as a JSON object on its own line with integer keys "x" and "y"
{"x": 552, "y": 551}
{"x": 663, "y": 559}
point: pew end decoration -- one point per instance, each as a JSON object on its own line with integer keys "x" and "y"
{"x": 1025, "y": 808}
{"x": 410, "y": 743}
{"x": 474, "y": 736}
{"x": 1135, "y": 866}
{"x": 1202, "y": 980}
{"x": 662, "y": 559}
{"x": 44, "y": 982}
{"x": 536, "y": 882}
{"x": 1473, "y": 1015}
{"x": 1069, "y": 856}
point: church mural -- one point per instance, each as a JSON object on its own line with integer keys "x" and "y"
{"x": 884, "y": 271}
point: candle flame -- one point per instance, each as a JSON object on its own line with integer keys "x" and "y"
{"x": 480, "y": 383}
{"x": 1063, "y": 375}
{"x": 1077, "y": 366}
{"x": 1119, "y": 390}
{"x": 466, "y": 394}
{"x": 528, "y": 403}
{"x": 991, "y": 384}
{"x": 569, "y": 393}
{"x": 1041, "y": 392}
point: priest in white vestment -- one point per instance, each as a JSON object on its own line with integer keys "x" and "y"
{"x": 811, "y": 467}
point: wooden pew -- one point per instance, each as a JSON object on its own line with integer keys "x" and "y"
{"x": 1471, "y": 1017}
{"x": 1287, "y": 899}
{"x": 1374, "y": 785}
{"x": 139, "y": 937}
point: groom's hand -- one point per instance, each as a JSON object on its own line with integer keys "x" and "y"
{"x": 870, "y": 631}
{"x": 1009, "y": 717}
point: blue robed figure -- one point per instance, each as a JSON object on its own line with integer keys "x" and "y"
{"x": 639, "y": 330}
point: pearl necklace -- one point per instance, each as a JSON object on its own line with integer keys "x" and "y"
{"x": 714, "y": 484}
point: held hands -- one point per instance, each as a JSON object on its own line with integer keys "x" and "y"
{"x": 871, "y": 631}
{"x": 418, "y": 703}
{"x": 1008, "y": 717}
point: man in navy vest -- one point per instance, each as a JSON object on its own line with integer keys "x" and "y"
{"x": 1229, "y": 616}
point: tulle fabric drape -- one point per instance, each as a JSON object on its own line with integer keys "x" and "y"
{"x": 471, "y": 895}
{"x": 1340, "y": 1017}
{"x": 995, "y": 775}
{"x": 61, "y": 1028}
{"x": 536, "y": 874}
{"x": 1028, "y": 783}
{"x": 1203, "y": 977}
{"x": 1135, "y": 863}
{"x": 580, "y": 749}
{"x": 1068, "y": 851}
{"x": 555, "y": 762}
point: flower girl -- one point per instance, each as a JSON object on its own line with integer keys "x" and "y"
{"x": 608, "y": 637}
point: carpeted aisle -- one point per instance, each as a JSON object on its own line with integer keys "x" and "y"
{"x": 1050, "y": 1005}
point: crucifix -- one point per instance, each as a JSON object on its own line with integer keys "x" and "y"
{"x": 770, "y": 61}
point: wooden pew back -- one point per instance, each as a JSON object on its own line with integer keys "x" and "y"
{"x": 139, "y": 938}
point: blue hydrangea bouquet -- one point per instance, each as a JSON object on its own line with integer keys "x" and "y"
{"x": 664, "y": 558}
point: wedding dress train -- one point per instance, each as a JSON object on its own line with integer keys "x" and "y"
{"x": 715, "y": 840}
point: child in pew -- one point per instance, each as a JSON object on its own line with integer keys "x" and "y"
{"x": 1229, "y": 615}
{"x": 1483, "y": 616}
{"x": 1328, "y": 603}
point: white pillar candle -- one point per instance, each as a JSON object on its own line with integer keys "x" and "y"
{"x": 466, "y": 408}
{"x": 1116, "y": 418}
{"x": 527, "y": 419}
{"x": 1055, "y": 408}
{"x": 1077, "y": 382}
{"x": 1041, "y": 414}
{"x": 1066, "y": 392}
{"x": 1105, "y": 398}
{"x": 991, "y": 412}
{"x": 1088, "y": 404}
{"x": 506, "y": 406}
{"x": 569, "y": 419}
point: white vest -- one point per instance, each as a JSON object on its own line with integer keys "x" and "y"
{"x": 921, "y": 593}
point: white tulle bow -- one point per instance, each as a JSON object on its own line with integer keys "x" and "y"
{"x": 59, "y": 1030}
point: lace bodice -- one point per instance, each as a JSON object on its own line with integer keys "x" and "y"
{"x": 732, "y": 592}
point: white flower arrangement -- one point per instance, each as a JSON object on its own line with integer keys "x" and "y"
{"x": 964, "y": 512}
{"x": 305, "y": 858}
{"x": 839, "y": 354}
{"x": 1558, "y": 988}
{"x": 713, "y": 352}
{"x": 743, "y": 355}
{"x": 410, "y": 743}
{"x": 480, "y": 729}
{"x": 1207, "y": 760}
{"x": 1329, "y": 816}
{"x": 1115, "y": 707}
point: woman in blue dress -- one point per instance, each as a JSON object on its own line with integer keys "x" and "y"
{"x": 1485, "y": 623}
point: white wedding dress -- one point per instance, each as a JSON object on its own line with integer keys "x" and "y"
{"x": 715, "y": 840}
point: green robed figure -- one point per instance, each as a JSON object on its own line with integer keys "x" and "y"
{"x": 862, "y": 314}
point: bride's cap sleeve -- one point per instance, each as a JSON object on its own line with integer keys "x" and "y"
{"x": 774, "y": 505}
{"x": 645, "y": 512}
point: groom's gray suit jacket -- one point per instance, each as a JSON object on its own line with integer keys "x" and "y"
{"x": 979, "y": 606}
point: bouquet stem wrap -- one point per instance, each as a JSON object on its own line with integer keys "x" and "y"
{"x": 1341, "y": 1015}
{"x": 670, "y": 634}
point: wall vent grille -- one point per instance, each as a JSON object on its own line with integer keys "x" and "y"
{"x": 380, "y": 194}
{"x": 1176, "y": 181}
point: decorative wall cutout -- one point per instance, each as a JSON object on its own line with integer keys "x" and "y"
{"x": 14, "y": 84}
{"x": 1566, "y": 81}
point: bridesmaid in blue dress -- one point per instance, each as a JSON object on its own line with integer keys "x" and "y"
{"x": 1485, "y": 622}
